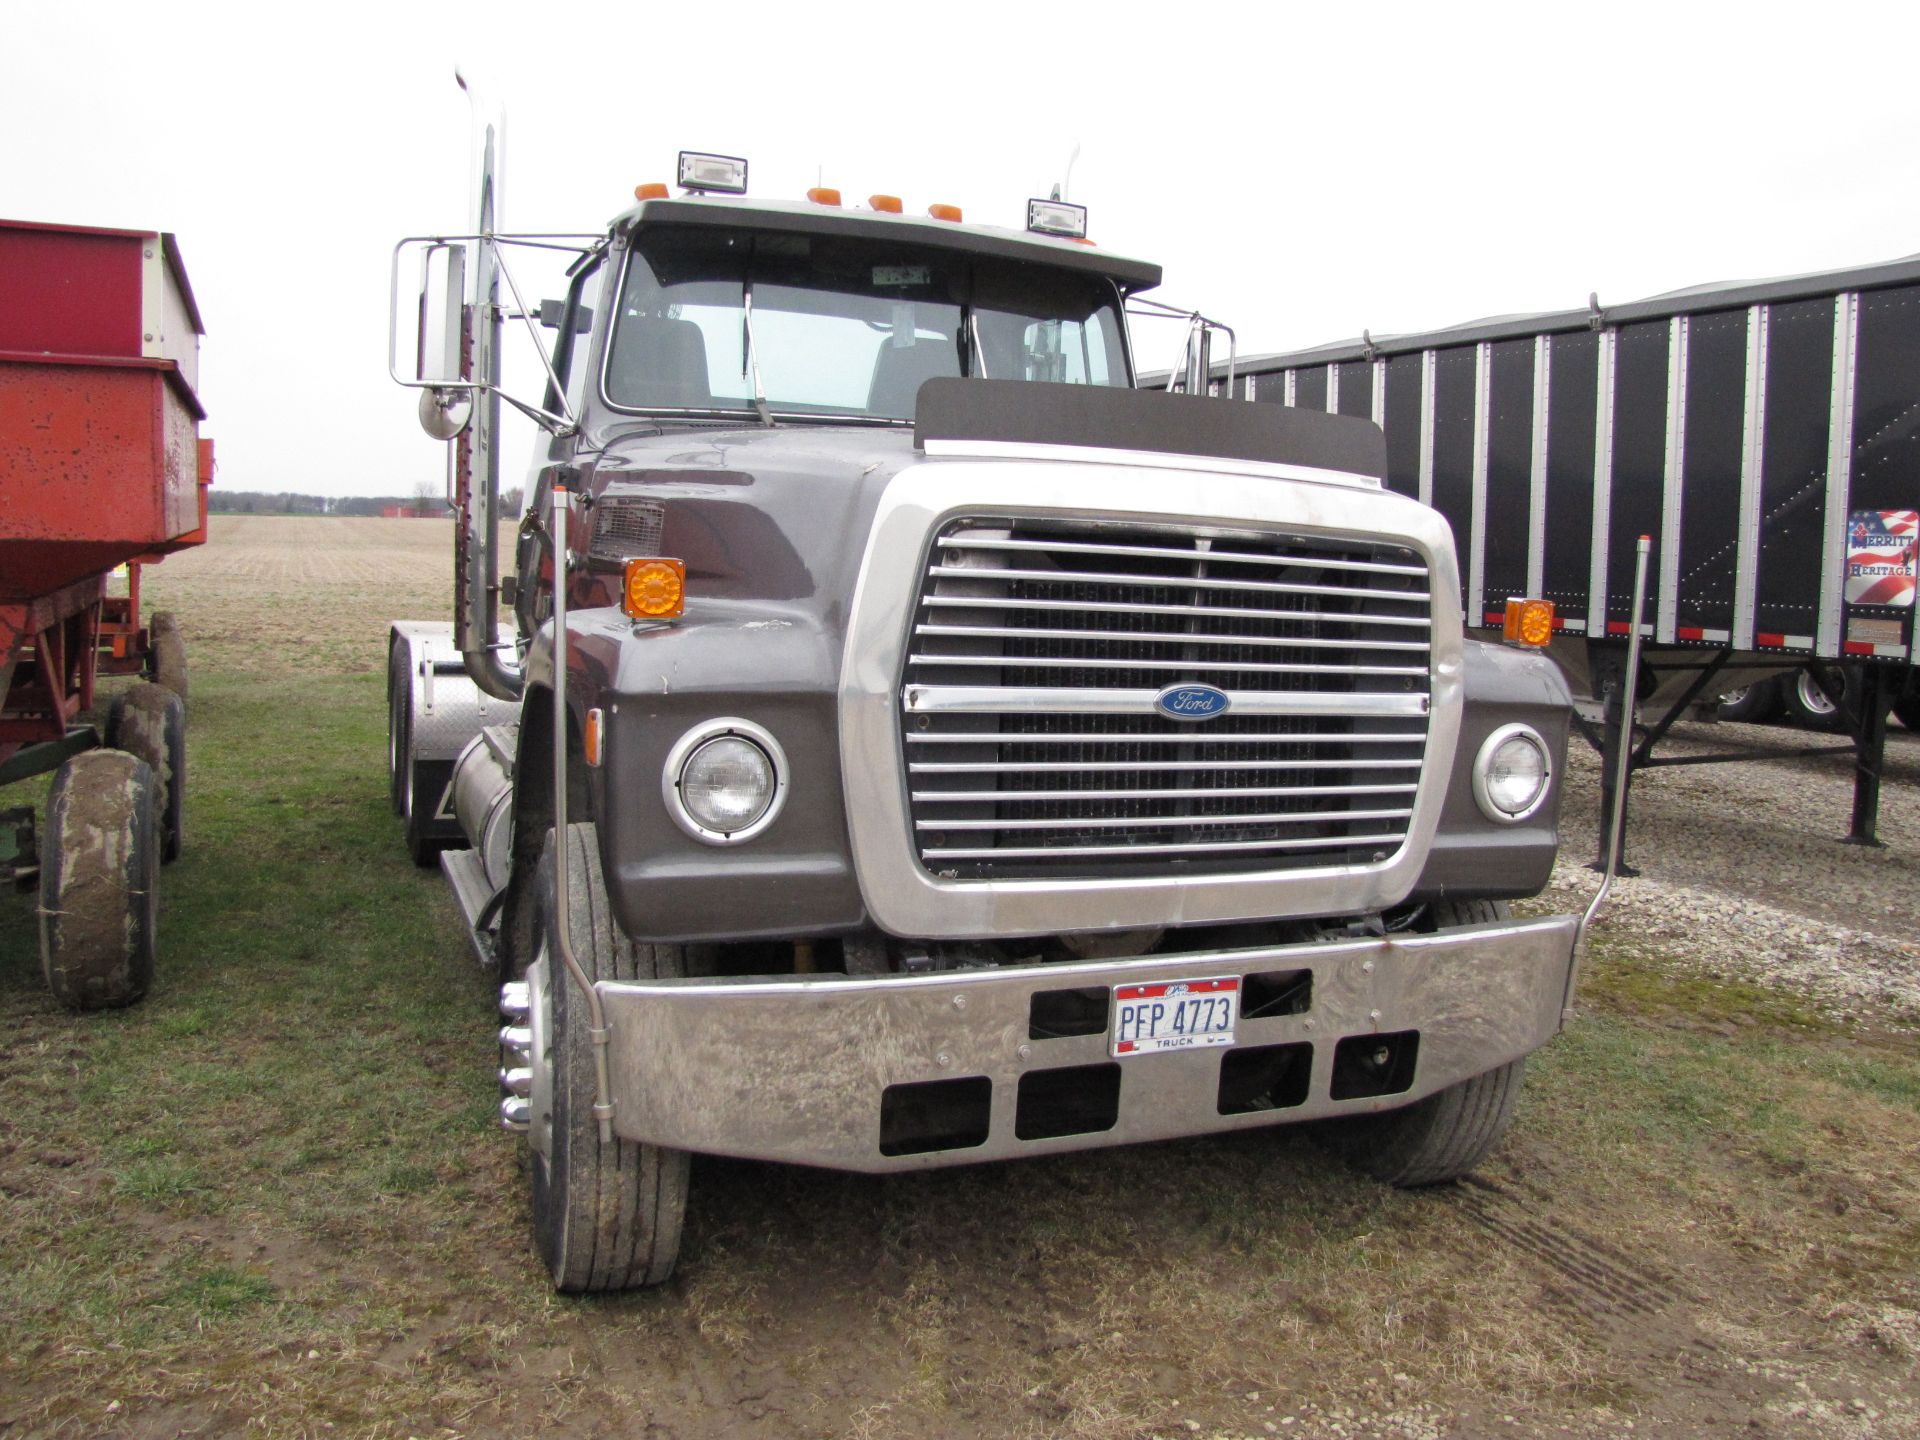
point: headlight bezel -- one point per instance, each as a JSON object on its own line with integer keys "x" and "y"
{"x": 1483, "y": 763}
{"x": 672, "y": 773}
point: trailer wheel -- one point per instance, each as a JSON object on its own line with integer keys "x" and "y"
{"x": 169, "y": 653}
{"x": 1443, "y": 1136}
{"x": 1753, "y": 704}
{"x": 605, "y": 1216}
{"x": 397, "y": 711}
{"x": 99, "y": 880}
{"x": 1811, "y": 706}
{"x": 1907, "y": 710}
{"x": 151, "y": 721}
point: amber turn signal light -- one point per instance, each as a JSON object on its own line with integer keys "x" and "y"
{"x": 590, "y": 737}
{"x": 1529, "y": 623}
{"x": 654, "y": 589}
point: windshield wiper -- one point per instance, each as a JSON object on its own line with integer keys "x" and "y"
{"x": 750, "y": 362}
{"x": 976, "y": 355}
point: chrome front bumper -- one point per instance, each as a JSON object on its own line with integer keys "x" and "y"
{"x": 796, "y": 1068}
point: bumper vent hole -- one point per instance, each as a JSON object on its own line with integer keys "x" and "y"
{"x": 1073, "y": 1100}
{"x": 1264, "y": 1077}
{"x": 1366, "y": 1065}
{"x": 1057, "y": 1014}
{"x": 935, "y": 1115}
{"x": 1276, "y": 992}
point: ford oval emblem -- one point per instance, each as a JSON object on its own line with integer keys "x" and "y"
{"x": 1191, "y": 702}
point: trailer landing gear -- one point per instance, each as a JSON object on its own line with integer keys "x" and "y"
{"x": 99, "y": 880}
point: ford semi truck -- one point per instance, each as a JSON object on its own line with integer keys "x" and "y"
{"x": 902, "y": 742}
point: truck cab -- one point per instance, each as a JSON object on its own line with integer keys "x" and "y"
{"x": 921, "y": 746}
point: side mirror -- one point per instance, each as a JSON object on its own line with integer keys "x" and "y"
{"x": 442, "y": 308}
{"x": 552, "y": 312}
{"x": 444, "y": 412}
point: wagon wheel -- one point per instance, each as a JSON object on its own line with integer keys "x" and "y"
{"x": 169, "y": 653}
{"x": 151, "y": 721}
{"x": 99, "y": 880}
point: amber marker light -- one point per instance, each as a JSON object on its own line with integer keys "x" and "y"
{"x": 654, "y": 589}
{"x": 590, "y": 738}
{"x": 1529, "y": 623}
{"x": 945, "y": 212}
{"x": 886, "y": 204}
{"x": 652, "y": 190}
{"x": 824, "y": 195}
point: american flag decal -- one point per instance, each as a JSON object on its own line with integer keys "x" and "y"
{"x": 1881, "y": 546}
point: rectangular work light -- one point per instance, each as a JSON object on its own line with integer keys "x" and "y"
{"x": 1056, "y": 217}
{"x": 720, "y": 174}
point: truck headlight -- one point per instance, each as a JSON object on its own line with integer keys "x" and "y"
{"x": 725, "y": 781}
{"x": 1511, "y": 774}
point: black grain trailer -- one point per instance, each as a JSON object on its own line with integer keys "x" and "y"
{"x": 1765, "y": 434}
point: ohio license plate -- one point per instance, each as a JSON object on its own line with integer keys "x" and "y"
{"x": 1174, "y": 1015}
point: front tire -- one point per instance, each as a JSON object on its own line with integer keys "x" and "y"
{"x": 1444, "y": 1136}
{"x": 605, "y": 1216}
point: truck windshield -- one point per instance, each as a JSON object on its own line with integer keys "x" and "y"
{"x": 842, "y": 326}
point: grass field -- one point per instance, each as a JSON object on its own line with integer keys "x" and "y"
{"x": 270, "y": 1200}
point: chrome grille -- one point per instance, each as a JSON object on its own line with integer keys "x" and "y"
{"x": 1032, "y": 744}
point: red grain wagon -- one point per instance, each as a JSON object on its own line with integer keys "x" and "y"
{"x": 101, "y": 466}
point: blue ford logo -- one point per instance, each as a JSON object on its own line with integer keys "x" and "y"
{"x": 1191, "y": 702}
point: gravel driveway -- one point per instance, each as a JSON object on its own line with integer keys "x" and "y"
{"x": 1743, "y": 871}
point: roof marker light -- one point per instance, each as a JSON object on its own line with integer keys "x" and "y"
{"x": 886, "y": 204}
{"x": 719, "y": 174}
{"x": 652, "y": 190}
{"x": 824, "y": 195}
{"x": 950, "y": 213}
{"x": 1056, "y": 217}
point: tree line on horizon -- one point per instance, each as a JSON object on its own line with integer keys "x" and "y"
{"x": 273, "y": 502}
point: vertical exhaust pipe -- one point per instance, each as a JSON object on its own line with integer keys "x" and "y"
{"x": 476, "y": 455}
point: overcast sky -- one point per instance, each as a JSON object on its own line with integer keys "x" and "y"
{"x": 1300, "y": 171}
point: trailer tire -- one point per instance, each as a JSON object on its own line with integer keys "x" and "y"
{"x": 605, "y": 1216}
{"x": 398, "y": 706}
{"x": 169, "y": 651}
{"x": 1811, "y": 707}
{"x": 1753, "y": 704}
{"x": 150, "y": 721}
{"x": 1907, "y": 710}
{"x": 1444, "y": 1136}
{"x": 99, "y": 880}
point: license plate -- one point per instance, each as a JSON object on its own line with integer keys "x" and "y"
{"x": 1174, "y": 1015}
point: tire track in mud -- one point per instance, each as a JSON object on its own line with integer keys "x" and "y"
{"x": 1595, "y": 1280}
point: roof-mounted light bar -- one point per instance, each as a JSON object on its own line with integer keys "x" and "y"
{"x": 1056, "y": 217}
{"x": 713, "y": 174}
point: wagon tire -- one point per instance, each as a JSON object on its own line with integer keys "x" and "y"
{"x": 150, "y": 721}
{"x": 99, "y": 880}
{"x": 606, "y": 1216}
{"x": 1446, "y": 1135}
{"x": 169, "y": 653}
